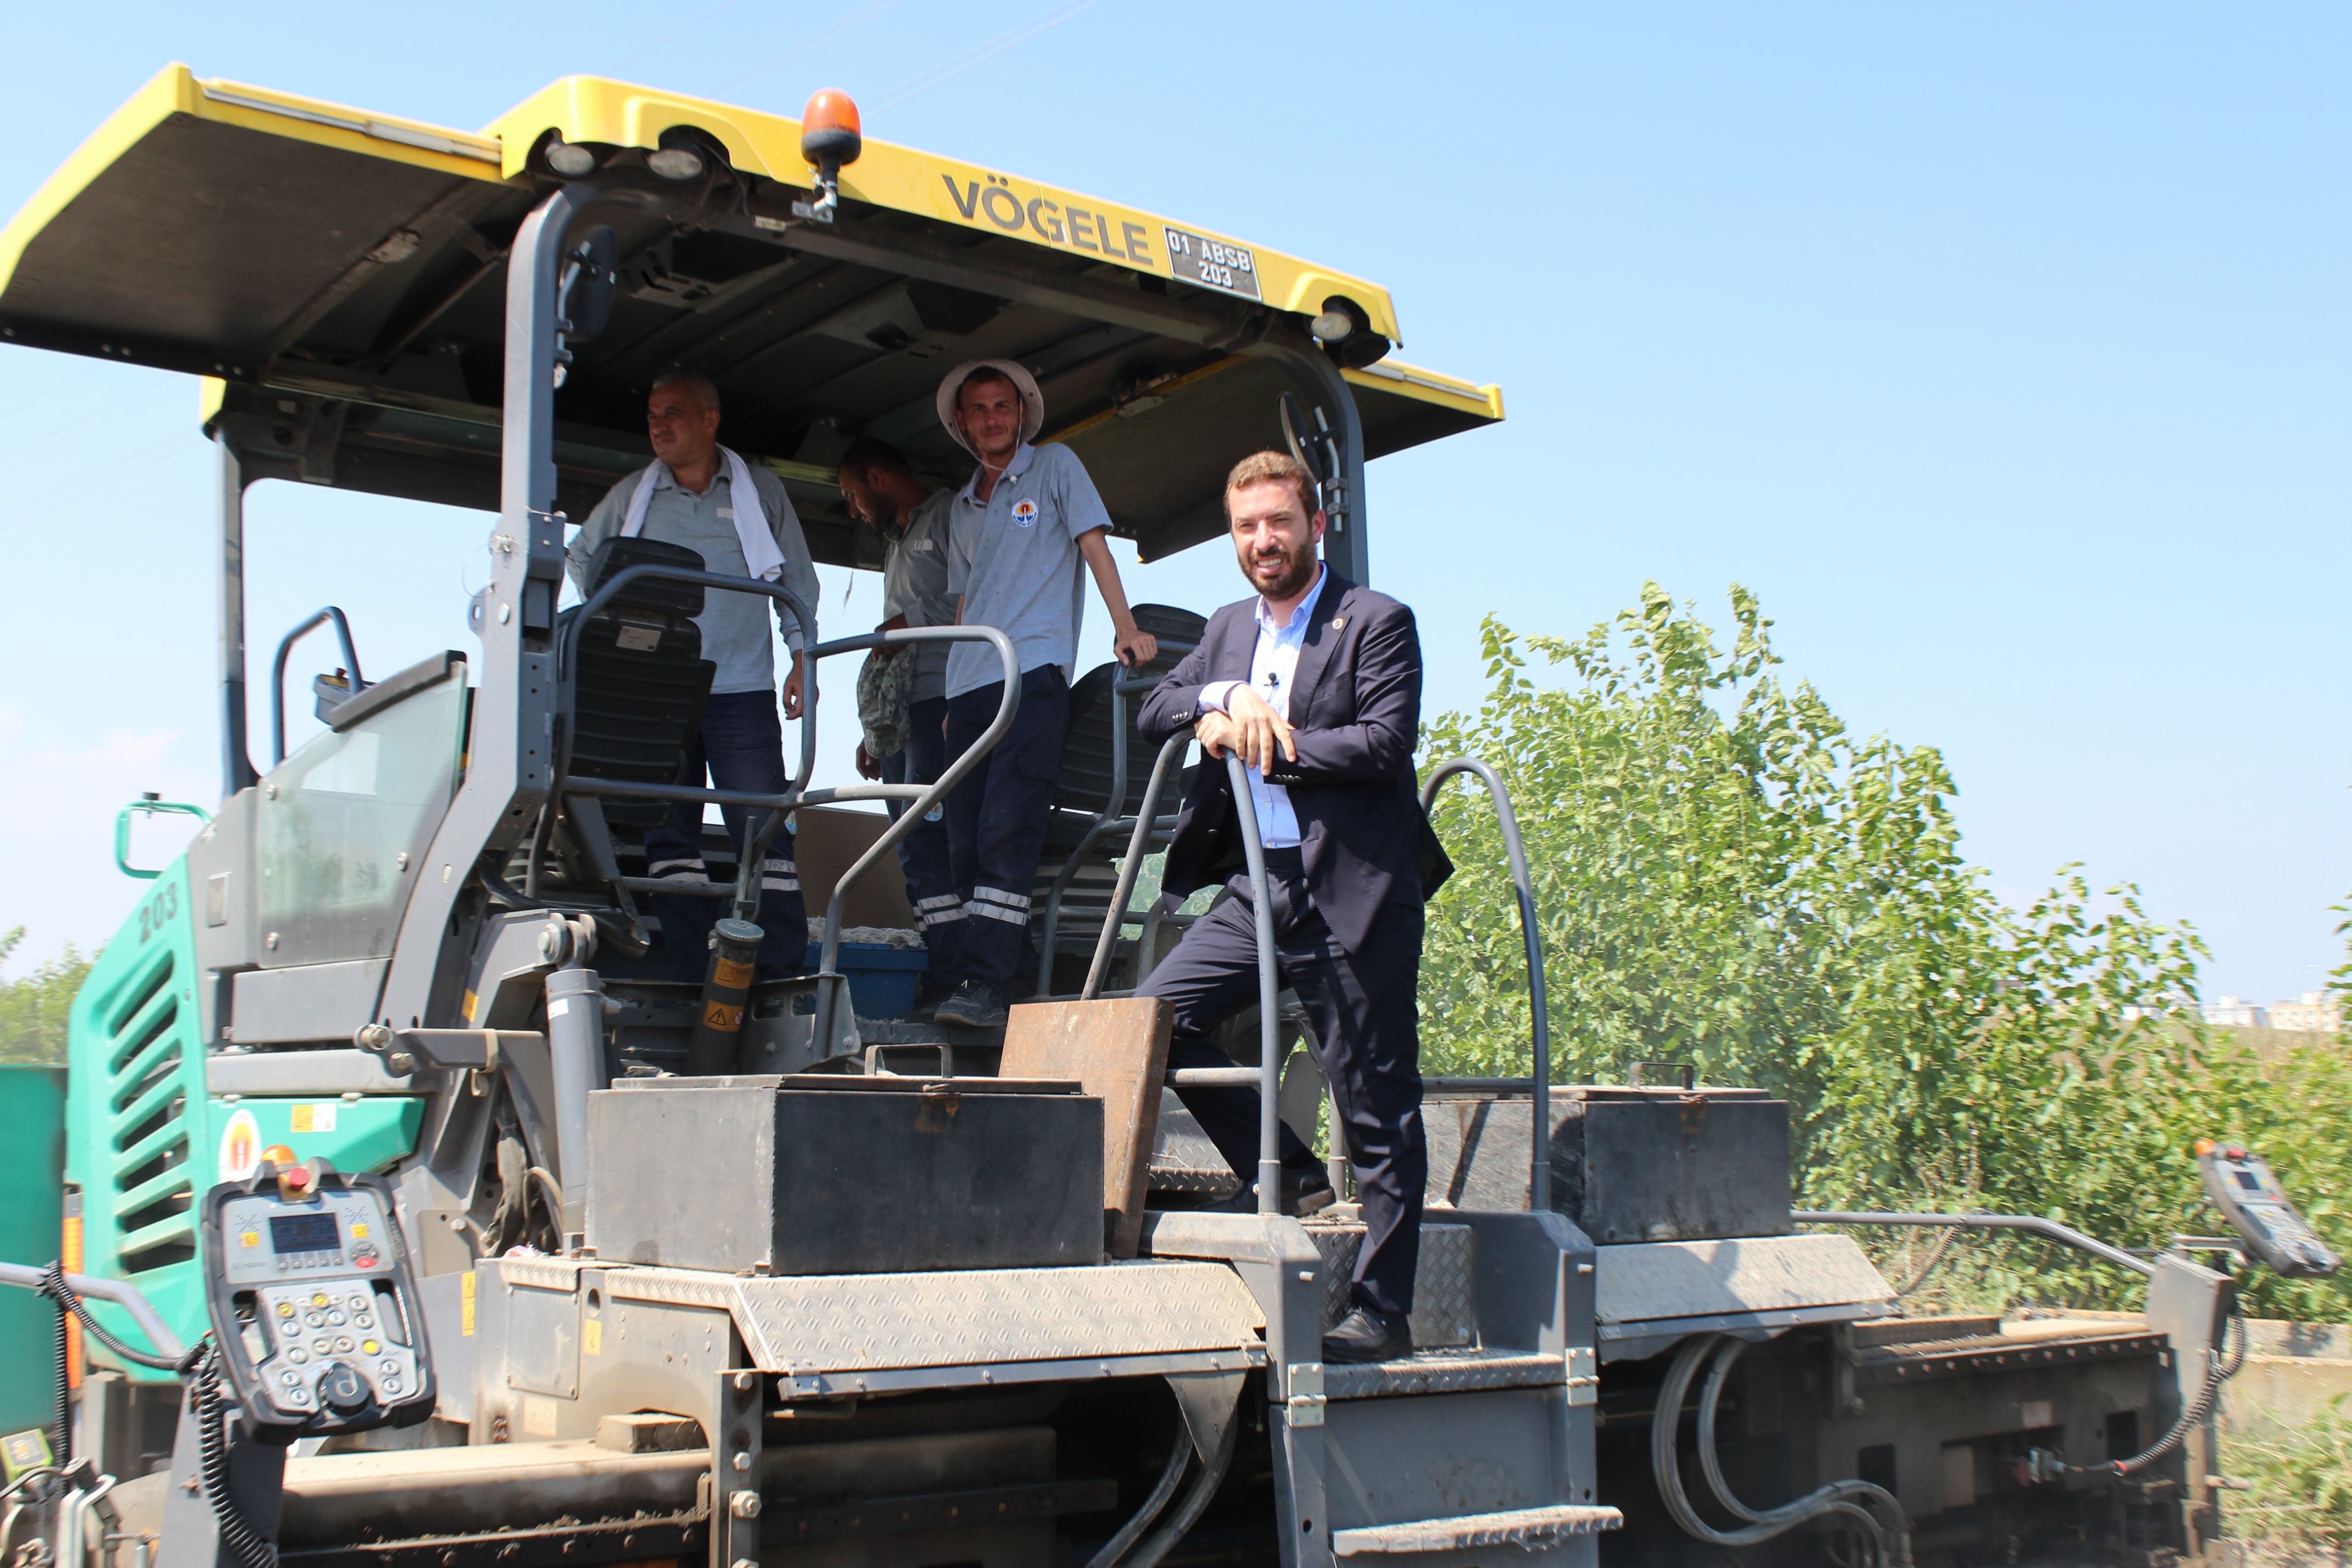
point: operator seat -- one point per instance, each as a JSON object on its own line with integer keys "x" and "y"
{"x": 636, "y": 697}
{"x": 1082, "y": 825}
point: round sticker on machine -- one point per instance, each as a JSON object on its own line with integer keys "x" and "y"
{"x": 240, "y": 1148}
{"x": 1024, "y": 514}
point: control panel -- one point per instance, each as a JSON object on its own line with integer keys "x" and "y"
{"x": 314, "y": 1305}
{"x": 2241, "y": 1184}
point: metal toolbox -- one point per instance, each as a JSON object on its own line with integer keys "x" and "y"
{"x": 1627, "y": 1165}
{"x": 823, "y": 1173}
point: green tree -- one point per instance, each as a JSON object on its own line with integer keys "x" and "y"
{"x": 33, "y": 1010}
{"x": 1726, "y": 876}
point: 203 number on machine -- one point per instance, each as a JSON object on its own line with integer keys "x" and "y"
{"x": 1211, "y": 263}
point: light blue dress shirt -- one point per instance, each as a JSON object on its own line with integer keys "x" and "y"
{"x": 1272, "y": 667}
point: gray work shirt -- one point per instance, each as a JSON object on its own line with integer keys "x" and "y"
{"x": 1014, "y": 559}
{"x": 735, "y": 635}
{"x": 915, "y": 584}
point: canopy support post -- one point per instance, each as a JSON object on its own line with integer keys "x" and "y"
{"x": 236, "y": 760}
{"x": 1345, "y": 544}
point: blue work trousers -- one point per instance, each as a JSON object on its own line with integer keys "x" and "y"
{"x": 740, "y": 747}
{"x": 996, "y": 818}
{"x": 923, "y": 853}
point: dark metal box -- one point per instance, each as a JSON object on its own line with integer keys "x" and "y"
{"x": 1627, "y": 1165}
{"x": 818, "y": 1173}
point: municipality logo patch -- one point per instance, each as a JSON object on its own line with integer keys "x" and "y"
{"x": 1024, "y": 514}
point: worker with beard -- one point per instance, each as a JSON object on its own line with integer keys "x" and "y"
{"x": 1315, "y": 684}
{"x": 879, "y": 488}
{"x": 1024, "y": 534}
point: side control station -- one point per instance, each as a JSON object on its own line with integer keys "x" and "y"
{"x": 2241, "y": 1184}
{"x": 314, "y": 1303}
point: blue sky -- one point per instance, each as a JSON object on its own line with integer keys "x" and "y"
{"x": 2000, "y": 349}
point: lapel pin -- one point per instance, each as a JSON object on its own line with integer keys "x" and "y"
{"x": 1338, "y": 622}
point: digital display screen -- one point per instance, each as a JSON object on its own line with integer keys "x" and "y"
{"x": 304, "y": 1233}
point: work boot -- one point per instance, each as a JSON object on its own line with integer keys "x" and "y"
{"x": 974, "y": 1005}
{"x": 1305, "y": 1190}
{"x": 1369, "y": 1335}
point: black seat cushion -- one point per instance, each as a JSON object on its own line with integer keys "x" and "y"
{"x": 640, "y": 679}
{"x": 1085, "y": 782}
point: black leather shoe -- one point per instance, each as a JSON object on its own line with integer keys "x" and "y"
{"x": 974, "y": 1005}
{"x": 1305, "y": 1190}
{"x": 1369, "y": 1335}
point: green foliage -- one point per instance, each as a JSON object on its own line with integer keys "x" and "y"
{"x": 2299, "y": 1482}
{"x": 33, "y": 1010}
{"x": 1726, "y": 876}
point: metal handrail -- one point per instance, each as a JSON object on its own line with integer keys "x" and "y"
{"x": 2035, "y": 1224}
{"x": 1111, "y": 817}
{"x": 122, "y": 1292}
{"x": 796, "y": 792}
{"x": 1267, "y": 1074}
{"x": 278, "y": 672}
{"x": 567, "y": 677}
{"x": 922, "y": 797}
{"x": 1170, "y": 750}
{"x": 1539, "y": 1079}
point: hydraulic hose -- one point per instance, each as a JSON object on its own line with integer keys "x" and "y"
{"x": 1196, "y": 1502}
{"x": 1838, "y": 1497}
{"x": 1164, "y": 1488}
{"x": 243, "y": 1543}
{"x": 2195, "y": 1412}
{"x": 199, "y": 1369}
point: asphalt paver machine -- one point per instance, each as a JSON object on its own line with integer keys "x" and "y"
{"x": 416, "y": 1217}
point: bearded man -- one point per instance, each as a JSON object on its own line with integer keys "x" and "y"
{"x": 1315, "y": 684}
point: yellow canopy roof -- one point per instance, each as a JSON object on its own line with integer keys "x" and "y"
{"x": 341, "y": 272}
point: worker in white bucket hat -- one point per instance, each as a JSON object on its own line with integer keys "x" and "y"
{"x": 1018, "y": 533}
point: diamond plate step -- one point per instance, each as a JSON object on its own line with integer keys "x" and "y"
{"x": 1183, "y": 1160}
{"x": 1443, "y": 1311}
{"x": 1519, "y": 1527}
{"x": 1444, "y": 1372}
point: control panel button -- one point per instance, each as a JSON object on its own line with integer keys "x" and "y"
{"x": 343, "y": 1390}
{"x": 298, "y": 1355}
{"x": 362, "y": 1320}
{"x": 337, "y": 1318}
{"x": 369, "y": 1347}
{"x": 285, "y": 1309}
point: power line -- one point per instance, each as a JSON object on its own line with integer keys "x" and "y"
{"x": 821, "y": 37}
{"x": 1044, "y": 22}
{"x": 667, "y": 39}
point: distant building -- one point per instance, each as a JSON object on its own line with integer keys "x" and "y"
{"x": 2234, "y": 1012}
{"x": 2315, "y": 1011}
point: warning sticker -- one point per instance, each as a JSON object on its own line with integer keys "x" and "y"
{"x": 240, "y": 1148}
{"x": 318, "y": 1118}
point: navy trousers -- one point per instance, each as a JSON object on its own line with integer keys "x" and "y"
{"x": 742, "y": 747}
{"x": 996, "y": 818}
{"x": 923, "y": 853}
{"x": 1361, "y": 1006}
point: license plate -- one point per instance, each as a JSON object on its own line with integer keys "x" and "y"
{"x": 1211, "y": 263}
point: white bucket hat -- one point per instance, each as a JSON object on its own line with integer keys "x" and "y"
{"x": 1032, "y": 402}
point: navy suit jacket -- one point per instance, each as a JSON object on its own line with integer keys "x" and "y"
{"x": 1355, "y": 710}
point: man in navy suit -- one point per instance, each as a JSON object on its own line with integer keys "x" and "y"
{"x": 1316, "y": 683}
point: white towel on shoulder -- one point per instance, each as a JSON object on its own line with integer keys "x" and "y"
{"x": 757, "y": 535}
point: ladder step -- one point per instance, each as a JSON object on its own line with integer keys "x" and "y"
{"x": 1519, "y": 1527}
